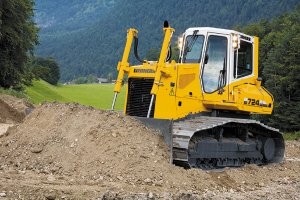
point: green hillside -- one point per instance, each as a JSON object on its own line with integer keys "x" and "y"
{"x": 57, "y": 16}
{"x": 87, "y": 37}
{"x": 96, "y": 95}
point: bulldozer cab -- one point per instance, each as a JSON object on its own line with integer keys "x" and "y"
{"x": 224, "y": 57}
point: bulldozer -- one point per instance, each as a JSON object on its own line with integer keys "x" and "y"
{"x": 202, "y": 104}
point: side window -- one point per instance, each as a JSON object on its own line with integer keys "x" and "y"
{"x": 243, "y": 65}
{"x": 214, "y": 71}
{"x": 193, "y": 49}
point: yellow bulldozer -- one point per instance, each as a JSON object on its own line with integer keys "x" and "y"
{"x": 202, "y": 103}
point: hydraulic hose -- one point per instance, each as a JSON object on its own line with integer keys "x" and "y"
{"x": 136, "y": 44}
{"x": 169, "y": 56}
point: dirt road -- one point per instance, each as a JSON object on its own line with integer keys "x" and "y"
{"x": 69, "y": 151}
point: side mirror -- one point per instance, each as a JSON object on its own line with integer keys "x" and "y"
{"x": 206, "y": 59}
{"x": 258, "y": 81}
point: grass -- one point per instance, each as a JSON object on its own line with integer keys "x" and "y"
{"x": 96, "y": 95}
{"x": 292, "y": 136}
{"x": 19, "y": 94}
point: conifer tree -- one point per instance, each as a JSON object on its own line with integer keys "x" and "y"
{"x": 18, "y": 36}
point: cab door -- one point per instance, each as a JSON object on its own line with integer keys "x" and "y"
{"x": 214, "y": 74}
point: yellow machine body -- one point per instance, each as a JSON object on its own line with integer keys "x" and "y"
{"x": 178, "y": 87}
{"x": 202, "y": 103}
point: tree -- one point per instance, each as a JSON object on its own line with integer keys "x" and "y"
{"x": 80, "y": 80}
{"x": 153, "y": 54}
{"x": 280, "y": 67}
{"x": 91, "y": 79}
{"x": 109, "y": 77}
{"x": 46, "y": 69}
{"x": 175, "y": 53}
{"x": 18, "y": 36}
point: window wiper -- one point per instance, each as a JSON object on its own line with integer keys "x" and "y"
{"x": 222, "y": 77}
{"x": 191, "y": 42}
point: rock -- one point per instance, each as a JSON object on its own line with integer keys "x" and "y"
{"x": 150, "y": 195}
{"x": 261, "y": 184}
{"x": 120, "y": 178}
{"x": 4, "y": 128}
{"x": 36, "y": 149}
{"x": 108, "y": 195}
{"x": 51, "y": 178}
{"x": 166, "y": 195}
{"x": 51, "y": 195}
{"x": 148, "y": 180}
{"x": 2, "y": 194}
{"x": 242, "y": 189}
{"x": 159, "y": 183}
{"x": 114, "y": 134}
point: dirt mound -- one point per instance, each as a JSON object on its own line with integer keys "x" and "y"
{"x": 12, "y": 109}
{"x": 91, "y": 145}
{"x": 69, "y": 151}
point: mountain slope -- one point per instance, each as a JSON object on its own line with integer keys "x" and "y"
{"x": 94, "y": 44}
{"x": 57, "y": 16}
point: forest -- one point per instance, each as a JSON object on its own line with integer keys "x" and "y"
{"x": 90, "y": 41}
{"x": 279, "y": 65}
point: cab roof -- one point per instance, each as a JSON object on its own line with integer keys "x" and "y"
{"x": 205, "y": 30}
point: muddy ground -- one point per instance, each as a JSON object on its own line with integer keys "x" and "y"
{"x": 69, "y": 151}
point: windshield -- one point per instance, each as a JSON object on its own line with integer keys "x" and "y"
{"x": 193, "y": 48}
{"x": 216, "y": 54}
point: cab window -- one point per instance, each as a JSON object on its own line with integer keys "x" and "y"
{"x": 215, "y": 62}
{"x": 193, "y": 49}
{"x": 243, "y": 61}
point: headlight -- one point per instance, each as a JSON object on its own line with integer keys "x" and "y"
{"x": 180, "y": 41}
{"x": 235, "y": 41}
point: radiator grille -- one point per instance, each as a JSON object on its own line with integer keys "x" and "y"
{"x": 139, "y": 97}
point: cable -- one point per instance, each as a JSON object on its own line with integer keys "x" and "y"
{"x": 169, "y": 56}
{"x": 136, "y": 43}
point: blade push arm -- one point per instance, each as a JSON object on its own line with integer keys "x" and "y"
{"x": 123, "y": 66}
{"x": 162, "y": 59}
{"x": 161, "y": 65}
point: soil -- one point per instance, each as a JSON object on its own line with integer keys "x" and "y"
{"x": 70, "y": 151}
{"x": 13, "y": 110}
